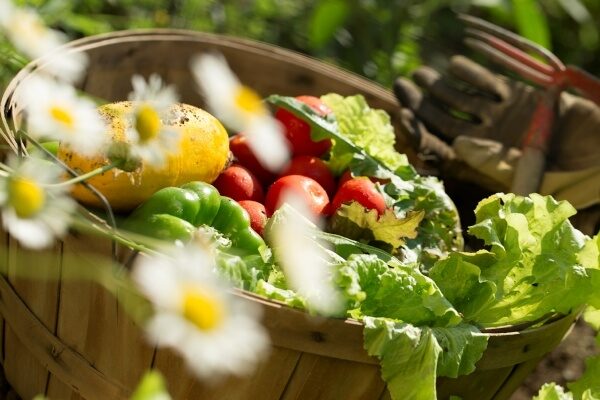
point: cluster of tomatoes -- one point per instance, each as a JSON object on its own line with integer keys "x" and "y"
{"x": 307, "y": 176}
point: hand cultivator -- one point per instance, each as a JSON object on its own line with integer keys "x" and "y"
{"x": 523, "y": 57}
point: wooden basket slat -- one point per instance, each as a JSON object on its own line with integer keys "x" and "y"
{"x": 26, "y": 373}
{"x": 267, "y": 382}
{"x": 5, "y": 237}
{"x": 57, "y": 389}
{"x": 519, "y": 373}
{"x": 482, "y": 386}
{"x": 508, "y": 349}
{"x": 105, "y": 335}
{"x": 27, "y": 376}
{"x": 295, "y": 329}
{"x": 60, "y": 359}
{"x": 329, "y": 378}
{"x": 385, "y": 395}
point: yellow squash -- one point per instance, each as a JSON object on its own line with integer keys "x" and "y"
{"x": 202, "y": 155}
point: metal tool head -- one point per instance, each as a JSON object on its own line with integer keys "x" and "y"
{"x": 513, "y": 51}
{"x": 524, "y": 57}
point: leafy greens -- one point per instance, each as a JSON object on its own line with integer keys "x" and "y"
{"x": 363, "y": 142}
{"x": 422, "y": 315}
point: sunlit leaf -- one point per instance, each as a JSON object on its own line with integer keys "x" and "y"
{"x": 327, "y": 17}
{"x": 531, "y": 22}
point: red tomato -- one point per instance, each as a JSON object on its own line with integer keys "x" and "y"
{"x": 346, "y": 176}
{"x": 361, "y": 190}
{"x": 306, "y": 189}
{"x": 316, "y": 104}
{"x": 258, "y": 214}
{"x": 238, "y": 145}
{"x": 297, "y": 131}
{"x": 239, "y": 184}
{"x": 314, "y": 168}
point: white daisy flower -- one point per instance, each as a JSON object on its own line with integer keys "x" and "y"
{"x": 150, "y": 134}
{"x": 303, "y": 261}
{"x": 242, "y": 109}
{"x": 66, "y": 65}
{"x": 215, "y": 332}
{"x": 28, "y": 33}
{"x": 53, "y": 110}
{"x": 32, "y": 211}
{"x": 6, "y": 12}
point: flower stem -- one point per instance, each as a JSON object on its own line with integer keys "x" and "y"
{"x": 82, "y": 224}
{"x": 81, "y": 178}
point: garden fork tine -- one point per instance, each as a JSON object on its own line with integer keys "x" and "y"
{"x": 518, "y": 61}
{"x": 510, "y": 50}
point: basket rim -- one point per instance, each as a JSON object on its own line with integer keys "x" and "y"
{"x": 335, "y": 336}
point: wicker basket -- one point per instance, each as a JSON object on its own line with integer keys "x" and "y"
{"x": 71, "y": 340}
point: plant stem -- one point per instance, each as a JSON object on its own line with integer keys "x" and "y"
{"x": 84, "y": 225}
{"x": 81, "y": 178}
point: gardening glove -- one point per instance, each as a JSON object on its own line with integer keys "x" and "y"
{"x": 473, "y": 121}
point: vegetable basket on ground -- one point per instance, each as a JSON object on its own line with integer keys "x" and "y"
{"x": 70, "y": 339}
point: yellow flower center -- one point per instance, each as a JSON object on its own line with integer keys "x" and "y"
{"x": 26, "y": 197}
{"x": 63, "y": 116}
{"x": 249, "y": 101}
{"x": 203, "y": 308}
{"x": 147, "y": 123}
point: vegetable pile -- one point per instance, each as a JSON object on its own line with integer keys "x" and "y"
{"x": 392, "y": 242}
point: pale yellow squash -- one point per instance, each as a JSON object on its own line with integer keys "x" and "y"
{"x": 202, "y": 155}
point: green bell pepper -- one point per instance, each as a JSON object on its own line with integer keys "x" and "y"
{"x": 178, "y": 202}
{"x": 209, "y": 201}
{"x": 173, "y": 213}
{"x": 165, "y": 227}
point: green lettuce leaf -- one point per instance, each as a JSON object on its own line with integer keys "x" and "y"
{"x": 408, "y": 357}
{"x": 368, "y": 128}
{"x": 592, "y": 317}
{"x": 588, "y": 386}
{"x": 356, "y": 222}
{"x": 552, "y": 391}
{"x": 532, "y": 269}
{"x": 589, "y": 257}
{"x": 462, "y": 346}
{"x": 243, "y": 272}
{"x": 152, "y": 386}
{"x": 378, "y": 289}
{"x": 411, "y": 357}
{"x": 286, "y": 296}
{"x": 459, "y": 278}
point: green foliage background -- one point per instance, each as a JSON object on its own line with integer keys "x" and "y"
{"x": 380, "y": 39}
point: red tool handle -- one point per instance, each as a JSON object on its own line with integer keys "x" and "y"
{"x": 530, "y": 168}
{"x": 586, "y": 83}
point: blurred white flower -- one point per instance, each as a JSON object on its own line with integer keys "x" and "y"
{"x": 33, "y": 211}
{"x": 150, "y": 134}
{"x": 304, "y": 262}
{"x": 66, "y": 65}
{"x": 6, "y": 12}
{"x": 28, "y": 33}
{"x": 53, "y": 110}
{"x": 216, "y": 333}
{"x": 242, "y": 109}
